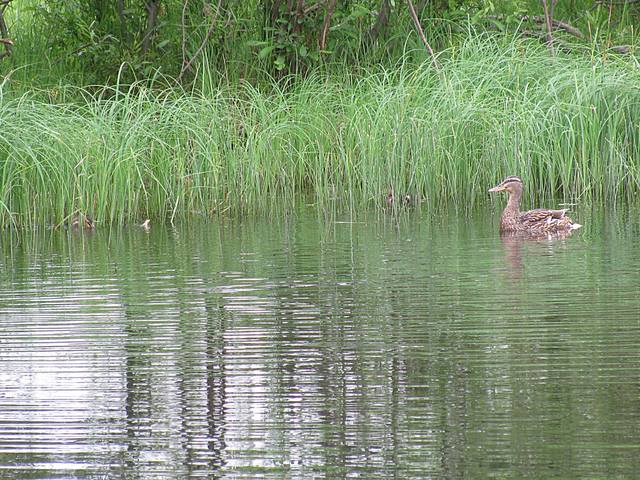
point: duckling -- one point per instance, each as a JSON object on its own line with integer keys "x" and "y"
{"x": 82, "y": 221}
{"x": 391, "y": 199}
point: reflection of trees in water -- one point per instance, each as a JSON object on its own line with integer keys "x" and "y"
{"x": 138, "y": 402}
{"x": 179, "y": 429}
{"x": 362, "y": 361}
{"x": 216, "y": 385}
{"x": 202, "y": 387}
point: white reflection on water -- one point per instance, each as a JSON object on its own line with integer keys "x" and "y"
{"x": 59, "y": 376}
{"x": 368, "y": 356}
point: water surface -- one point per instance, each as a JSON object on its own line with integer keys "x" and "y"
{"x": 321, "y": 347}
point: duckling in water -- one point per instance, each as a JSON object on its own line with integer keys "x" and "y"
{"x": 82, "y": 221}
{"x": 391, "y": 199}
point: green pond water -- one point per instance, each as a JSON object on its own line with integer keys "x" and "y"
{"x": 322, "y": 347}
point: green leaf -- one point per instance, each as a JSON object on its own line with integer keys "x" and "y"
{"x": 256, "y": 43}
{"x": 360, "y": 11}
{"x": 266, "y": 51}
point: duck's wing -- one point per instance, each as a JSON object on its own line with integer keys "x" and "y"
{"x": 541, "y": 215}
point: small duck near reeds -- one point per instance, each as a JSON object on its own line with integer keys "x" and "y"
{"x": 81, "y": 222}
{"x": 538, "y": 221}
{"x": 391, "y": 199}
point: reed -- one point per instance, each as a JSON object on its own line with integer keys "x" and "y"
{"x": 567, "y": 125}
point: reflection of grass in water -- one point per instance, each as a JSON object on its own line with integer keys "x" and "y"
{"x": 566, "y": 125}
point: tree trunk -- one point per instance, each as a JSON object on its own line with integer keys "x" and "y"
{"x": 275, "y": 11}
{"x": 548, "y": 15}
{"x": 322, "y": 42}
{"x": 123, "y": 21}
{"x": 381, "y": 21}
{"x": 4, "y": 32}
{"x": 152, "y": 19}
{"x": 297, "y": 25}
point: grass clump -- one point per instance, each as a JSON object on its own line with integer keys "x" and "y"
{"x": 568, "y": 125}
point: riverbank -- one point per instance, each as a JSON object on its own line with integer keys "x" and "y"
{"x": 566, "y": 124}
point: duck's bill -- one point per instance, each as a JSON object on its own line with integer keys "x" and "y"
{"x": 496, "y": 189}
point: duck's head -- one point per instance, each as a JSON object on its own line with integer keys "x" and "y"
{"x": 509, "y": 184}
{"x": 88, "y": 223}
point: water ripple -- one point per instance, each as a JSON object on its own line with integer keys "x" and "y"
{"x": 286, "y": 350}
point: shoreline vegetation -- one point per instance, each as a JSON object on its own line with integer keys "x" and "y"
{"x": 568, "y": 124}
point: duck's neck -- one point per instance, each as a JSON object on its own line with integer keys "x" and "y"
{"x": 512, "y": 210}
{"x": 509, "y": 222}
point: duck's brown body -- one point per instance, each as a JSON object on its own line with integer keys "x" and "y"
{"x": 391, "y": 199}
{"x": 534, "y": 221}
{"x": 82, "y": 222}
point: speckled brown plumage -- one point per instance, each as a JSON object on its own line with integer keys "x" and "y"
{"x": 82, "y": 221}
{"x": 535, "y": 221}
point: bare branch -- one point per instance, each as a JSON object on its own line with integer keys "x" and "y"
{"x": 183, "y": 25}
{"x": 548, "y": 15}
{"x": 541, "y": 20}
{"x": 214, "y": 17}
{"x": 312, "y": 8}
{"x": 557, "y": 24}
{"x": 416, "y": 20}
{"x": 4, "y": 34}
{"x": 622, "y": 49}
{"x": 322, "y": 42}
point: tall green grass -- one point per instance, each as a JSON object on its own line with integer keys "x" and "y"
{"x": 568, "y": 125}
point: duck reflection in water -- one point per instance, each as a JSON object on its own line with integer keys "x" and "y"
{"x": 515, "y": 242}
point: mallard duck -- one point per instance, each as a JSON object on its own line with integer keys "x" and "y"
{"x": 534, "y": 221}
